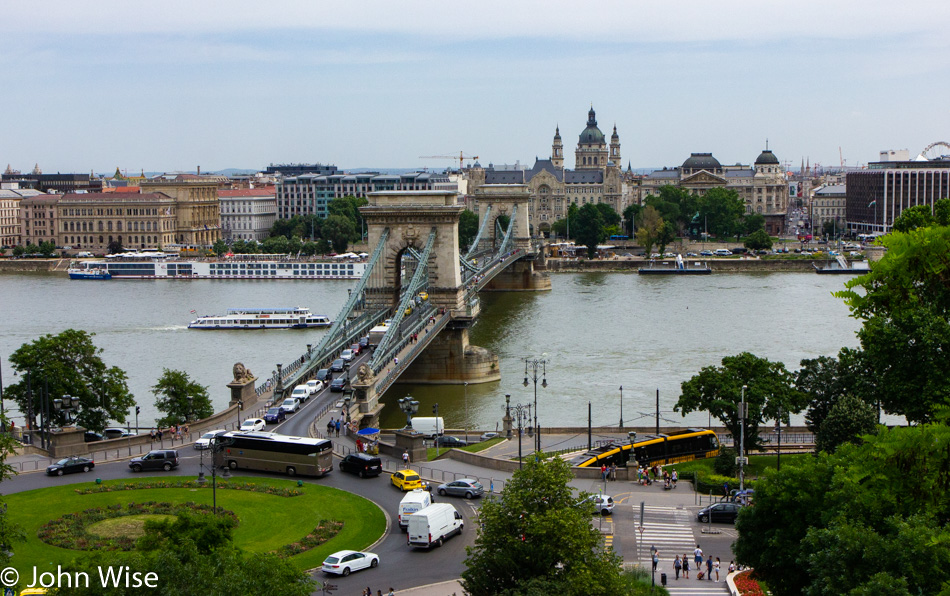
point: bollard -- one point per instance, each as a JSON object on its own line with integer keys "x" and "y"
{"x": 98, "y": 480}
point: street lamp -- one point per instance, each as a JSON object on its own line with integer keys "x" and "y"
{"x": 191, "y": 408}
{"x": 68, "y": 405}
{"x": 534, "y": 365}
{"x": 742, "y": 440}
{"x": 409, "y": 406}
{"x": 874, "y": 204}
{"x": 621, "y": 407}
{"x": 521, "y": 412}
{"x": 465, "y": 389}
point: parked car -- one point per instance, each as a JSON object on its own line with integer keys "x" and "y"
{"x": 290, "y": 405}
{"x": 160, "y": 459}
{"x": 338, "y": 365}
{"x": 116, "y": 433}
{"x": 301, "y": 393}
{"x": 719, "y": 512}
{"x": 447, "y": 441}
{"x": 253, "y": 424}
{"x": 406, "y": 480}
{"x": 691, "y": 254}
{"x": 91, "y": 437}
{"x": 346, "y": 561}
{"x": 489, "y": 435}
{"x": 275, "y": 415}
{"x": 204, "y": 442}
{"x": 356, "y": 349}
{"x": 361, "y": 464}
{"x": 706, "y": 253}
{"x": 463, "y": 487}
{"x": 723, "y": 252}
{"x": 314, "y": 386}
{"x": 346, "y": 355}
{"x": 338, "y": 384}
{"x": 323, "y": 374}
{"x": 68, "y": 465}
{"x": 603, "y": 504}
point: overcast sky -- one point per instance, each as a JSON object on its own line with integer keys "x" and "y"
{"x": 172, "y": 85}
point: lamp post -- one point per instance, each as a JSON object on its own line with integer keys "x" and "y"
{"x": 191, "y": 408}
{"x": 68, "y": 405}
{"x": 534, "y": 365}
{"x": 621, "y": 407}
{"x": 742, "y": 440}
{"x": 778, "y": 432}
{"x": 409, "y": 407}
{"x": 465, "y": 390}
{"x": 874, "y": 204}
{"x": 521, "y": 412}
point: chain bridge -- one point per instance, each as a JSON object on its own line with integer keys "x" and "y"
{"x": 424, "y": 290}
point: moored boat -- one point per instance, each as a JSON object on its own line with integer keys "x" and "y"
{"x": 262, "y": 318}
{"x": 89, "y": 273}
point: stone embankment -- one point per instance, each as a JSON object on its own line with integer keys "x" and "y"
{"x": 725, "y": 265}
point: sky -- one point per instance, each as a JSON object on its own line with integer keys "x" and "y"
{"x": 167, "y": 86}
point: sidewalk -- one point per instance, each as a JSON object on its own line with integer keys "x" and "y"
{"x": 449, "y": 588}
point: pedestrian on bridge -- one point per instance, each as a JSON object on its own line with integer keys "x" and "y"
{"x": 338, "y": 425}
{"x": 330, "y": 427}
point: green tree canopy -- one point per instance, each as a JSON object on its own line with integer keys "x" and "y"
{"x": 339, "y": 231}
{"x": 722, "y": 210}
{"x": 468, "y": 229}
{"x": 824, "y": 380}
{"x": 718, "y": 390}
{"x": 47, "y": 248}
{"x": 630, "y": 215}
{"x": 841, "y": 523}
{"x": 649, "y": 228}
{"x": 70, "y": 364}
{"x": 904, "y": 303}
{"x": 538, "y": 539}
{"x": 918, "y": 216}
{"x": 608, "y": 214}
{"x": 942, "y": 212}
{"x": 349, "y": 208}
{"x": 758, "y": 240}
{"x": 115, "y": 247}
{"x": 590, "y": 228}
{"x": 847, "y": 420}
{"x": 180, "y": 398}
{"x": 753, "y": 222}
{"x": 219, "y": 247}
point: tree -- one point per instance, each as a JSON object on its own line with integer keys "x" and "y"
{"x": 194, "y": 555}
{"x": 608, "y": 214}
{"x": 278, "y": 245}
{"x": 70, "y": 364}
{"x": 590, "y": 228}
{"x": 219, "y": 247}
{"x": 758, "y": 240}
{"x": 10, "y": 533}
{"x": 666, "y": 235}
{"x": 905, "y": 338}
{"x": 348, "y": 207}
{"x": 47, "y": 248}
{"x": 538, "y": 539}
{"x": 847, "y": 420}
{"x": 630, "y": 215}
{"x": 649, "y": 228}
{"x": 942, "y": 212}
{"x": 824, "y": 380}
{"x": 18, "y": 250}
{"x": 180, "y": 398}
{"x": 753, "y": 222}
{"x": 115, "y": 247}
{"x": 845, "y": 520}
{"x": 722, "y": 209}
{"x": 468, "y": 228}
{"x": 32, "y": 249}
{"x": 718, "y": 390}
{"x": 338, "y": 230}
{"x": 918, "y": 216}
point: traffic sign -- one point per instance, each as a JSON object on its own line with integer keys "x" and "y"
{"x": 742, "y": 461}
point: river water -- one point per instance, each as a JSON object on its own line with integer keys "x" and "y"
{"x": 597, "y": 331}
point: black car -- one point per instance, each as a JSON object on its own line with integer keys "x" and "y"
{"x": 361, "y": 464}
{"x": 323, "y": 374}
{"x": 68, "y": 465}
{"x": 338, "y": 384}
{"x": 275, "y": 415}
{"x": 159, "y": 459}
{"x": 448, "y": 441}
{"x": 338, "y": 365}
{"x": 720, "y": 512}
{"x": 364, "y": 342}
{"x": 92, "y": 437}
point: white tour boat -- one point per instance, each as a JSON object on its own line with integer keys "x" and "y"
{"x": 262, "y": 318}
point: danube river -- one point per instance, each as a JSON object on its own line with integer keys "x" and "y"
{"x": 597, "y": 331}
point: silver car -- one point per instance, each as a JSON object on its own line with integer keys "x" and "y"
{"x": 463, "y": 487}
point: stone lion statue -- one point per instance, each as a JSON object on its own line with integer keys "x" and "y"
{"x": 241, "y": 373}
{"x": 364, "y": 373}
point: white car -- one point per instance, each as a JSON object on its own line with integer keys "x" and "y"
{"x": 603, "y": 504}
{"x": 301, "y": 392}
{"x": 346, "y": 355}
{"x": 205, "y": 441}
{"x": 346, "y": 561}
{"x": 290, "y": 405}
{"x": 314, "y": 386}
{"x": 252, "y": 424}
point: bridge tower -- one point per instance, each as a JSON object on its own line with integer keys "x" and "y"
{"x": 410, "y": 216}
{"x": 494, "y": 201}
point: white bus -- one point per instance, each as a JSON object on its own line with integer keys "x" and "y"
{"x": 273, "y": 452}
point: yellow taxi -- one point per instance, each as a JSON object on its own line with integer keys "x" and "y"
{"x": 406, "y": 480}
{"x": 424, "y": 295}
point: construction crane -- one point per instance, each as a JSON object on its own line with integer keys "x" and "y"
{"x": 461, "y": 157}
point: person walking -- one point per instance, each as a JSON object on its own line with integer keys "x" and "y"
{"x": 677, "y": 566}
{"x": 698, "y": 558}
{"x": 675, "y": 477}
{"x": 709, "y": 567}
{"x": 716, "y": 567}
{"x": 613, "y": 471}
{"x": 338, "y": 425}
{"x": 656, "y": 558}
{"x": 405, "y": 458}
{"x": 685, "y": 566}
{"x": 330, "y": 427}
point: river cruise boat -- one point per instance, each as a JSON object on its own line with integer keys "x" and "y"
{"x": 157, "y": 265}
{"x": 841, "y": 266}
{"x": 78, "y": 272}
{"x": 262, "y": 318}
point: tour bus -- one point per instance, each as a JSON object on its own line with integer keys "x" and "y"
{"x": 662, "y": 449}
{"x": 273, "y": 452}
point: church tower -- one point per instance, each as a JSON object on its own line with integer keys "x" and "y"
{"x": 591, "y": 153}
{"x": 615, "y": 148}
{"x": 557, "y": 149}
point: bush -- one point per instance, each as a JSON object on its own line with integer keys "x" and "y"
{"x": 725, "y": 463}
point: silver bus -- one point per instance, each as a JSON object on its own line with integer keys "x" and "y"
{"x": 273, "y": 452}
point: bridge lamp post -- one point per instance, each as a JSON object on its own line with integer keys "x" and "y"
{"x": 742, "y": 440}
{"x": 534, "y": 365}
{"x": 621, "y": 407}
{"x": 465, "y": 390}
{"x": 68, "y": 405}
{"x": 409, "y": 406}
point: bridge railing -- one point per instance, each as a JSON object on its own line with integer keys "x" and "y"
{"x": 390, "y": 377}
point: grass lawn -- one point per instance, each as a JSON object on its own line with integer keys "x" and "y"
{"x": 758, "y": 464}
{"x": 267, "y": 522}
{"x": 473, "y": 448}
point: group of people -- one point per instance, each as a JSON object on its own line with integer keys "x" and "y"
{"x": 369, "y": 592}
{"x": 334, "y": 426}
{"x": 174, "y": 430}
{"x": 682, "y": 565}
{"x": 608, "y": 472}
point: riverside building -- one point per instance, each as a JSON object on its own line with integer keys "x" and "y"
{"x": 877, "y": 196}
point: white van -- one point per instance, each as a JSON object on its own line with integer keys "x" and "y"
{"x": 414, "y": 500}
{"x": 433, "y": 525}
{"x": 723, "y": 252}
{"x": 429, "y": 426}
{"x": 301, "y": 393}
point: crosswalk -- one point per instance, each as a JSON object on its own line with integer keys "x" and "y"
{"x": 668, "y": 530}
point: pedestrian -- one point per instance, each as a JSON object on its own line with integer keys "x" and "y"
{"x": 675, "y": 477}
{"x": 152, "y": 434}
{"x": 379, "y": 593}
{"x": 330, "y": 426}
{"x": 338, "y": 425}
{"x": 405, "y": 458}
{"x": 732, "y": 566}
{"x": 613, "y": 471}
{"x": 603, "y": 471}
{"x": 698, "y": 557}
{"x": 159, "y": 434}
{"x": 391, "y": 592}
{"x": 396, "y": 360}
{"x": 725, "y": 489}
{"x": 709, "y": 567}
{"x": 685, "y": 566}
{"x": 677, "y": 566}
{"x": 716, "y": 567}
{"x": 656, "y": 559}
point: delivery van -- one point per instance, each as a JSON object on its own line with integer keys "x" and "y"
{"x": 433, "y": 524}
{"x": 414, "y": 500}
{"x": 430, "y": 426}
{"x": 376, "y": 334}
